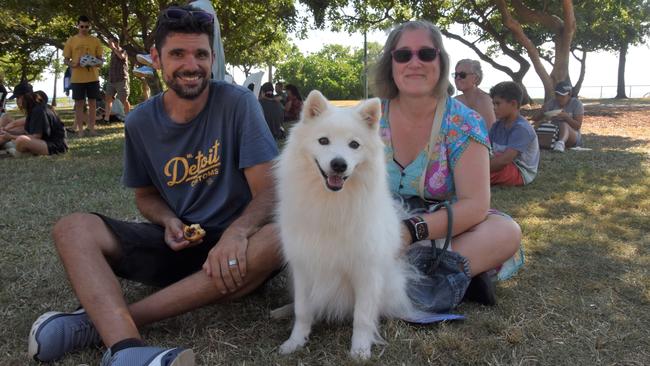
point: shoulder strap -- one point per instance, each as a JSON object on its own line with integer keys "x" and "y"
{"x": 435, "y": 130}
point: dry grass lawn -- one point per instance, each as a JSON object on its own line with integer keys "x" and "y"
{"x": 583, "y": 297}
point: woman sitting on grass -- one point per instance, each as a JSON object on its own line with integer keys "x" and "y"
{"x": 42, "y": 132}
{"x": 467, "y": 77}
{"x": 437, "y": 149}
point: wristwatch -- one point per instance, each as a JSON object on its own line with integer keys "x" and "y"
{"x": 418, "y": 228}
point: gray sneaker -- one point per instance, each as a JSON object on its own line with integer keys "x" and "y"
{"x": 54, "y": 334}
{"x": 149, "y": 356}
{"x": 144, "y": 59}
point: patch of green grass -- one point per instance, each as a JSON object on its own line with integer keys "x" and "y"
{"x": 583, "y": 297}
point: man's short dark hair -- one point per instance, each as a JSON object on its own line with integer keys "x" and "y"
{"x": 187, "y": 24}
{"x": 83, "y": 18}
{"x": 509, "y": 91}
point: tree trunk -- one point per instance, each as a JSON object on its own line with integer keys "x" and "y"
{"x": 519, "y": 80}
{"x": 270, "y": 73}
{"x": 563, "y": 29}
{"x": 583, "y": 70}
{"x": 620, "y": 88}
{"x": 56, "y": 77}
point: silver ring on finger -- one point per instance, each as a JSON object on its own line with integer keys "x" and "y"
{"x": 232, "y": 262}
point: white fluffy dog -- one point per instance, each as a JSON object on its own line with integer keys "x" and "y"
{"x": 340, "y": 229}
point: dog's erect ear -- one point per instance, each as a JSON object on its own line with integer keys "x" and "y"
{"x": 314, "y": 105}
{"x": 370, "y": 111}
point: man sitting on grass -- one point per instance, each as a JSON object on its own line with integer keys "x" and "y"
{"x": 514, "y": 142}
{"x": 198, "y": 153}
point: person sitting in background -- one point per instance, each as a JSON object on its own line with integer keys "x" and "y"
{"x": 569, "y": 120}
{"x": 9, "y": 125}
{"x": 41, "y": 133}
{"x": 116, "y": 114}
{"x": 280, "y": 93}
{"x": 467, "y": 77}
{"x": 514, "y": 142}
{"x": 273, "y": 111}
{"x": 17, "y": 125}
{"x": 44, "y": 98}
{"x": 293, "y": 106}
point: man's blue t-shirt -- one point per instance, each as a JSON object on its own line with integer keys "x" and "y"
{"x": 520, "y": 137}
{"x": 198, "y": 167}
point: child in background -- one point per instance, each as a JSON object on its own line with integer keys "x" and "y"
{"x": 569, "y": 120}
{"x": 514, "y": 142}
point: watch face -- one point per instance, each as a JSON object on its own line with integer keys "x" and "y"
{"x": 421, "y": 230}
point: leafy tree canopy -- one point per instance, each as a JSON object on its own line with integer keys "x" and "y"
{"x": 254, "y": 32}
{"x": 337, "y": 71}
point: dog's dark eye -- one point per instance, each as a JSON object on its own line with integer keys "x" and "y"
{"x": 353, "y": 145}
{"x": 324, "y": 141}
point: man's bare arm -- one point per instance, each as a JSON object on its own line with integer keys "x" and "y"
{"x": 155, "y": 209}
{"x": 227, "y": 261}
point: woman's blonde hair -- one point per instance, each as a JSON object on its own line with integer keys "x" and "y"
{"x": 382, "y": 74}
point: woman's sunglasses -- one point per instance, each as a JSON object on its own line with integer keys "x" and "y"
{"x": 175, "y": 13}
{"x": 461, "y": 75}
{"x": 402, "y": 56}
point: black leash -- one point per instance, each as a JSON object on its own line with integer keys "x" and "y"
{"x": 450, "y": 223}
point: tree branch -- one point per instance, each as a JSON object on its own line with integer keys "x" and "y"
{"x": 529, "y": 16}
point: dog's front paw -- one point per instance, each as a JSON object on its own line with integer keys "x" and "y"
{"x": 290, "y": 346}
{"x": 360, "y": 353}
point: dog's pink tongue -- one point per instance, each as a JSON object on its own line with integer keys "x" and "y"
{"x": 335, "y": 181}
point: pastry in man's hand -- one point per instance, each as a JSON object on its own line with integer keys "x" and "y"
{"x": 193, "y": 232}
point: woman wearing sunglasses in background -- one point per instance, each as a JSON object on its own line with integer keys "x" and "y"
{"x": 467, "y": 77}
{"x": 437, "y": 150}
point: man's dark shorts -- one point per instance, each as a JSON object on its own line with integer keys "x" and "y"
{"x": 81, "y": 91}
{"x": 56, "y": 147}
{"x": 146, "y": 258}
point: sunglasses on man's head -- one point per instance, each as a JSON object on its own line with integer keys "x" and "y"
{"x": 175, "y": 13}
{"x": 402, "y": 56}
{"x": 461, "y": 75}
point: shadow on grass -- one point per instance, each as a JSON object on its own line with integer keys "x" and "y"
{"x": 599, "y": 143}
{"x": 109, "y": 141}
{"x": 586, "y": 233}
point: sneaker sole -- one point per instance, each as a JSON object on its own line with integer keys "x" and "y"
{"x": 184, "y": 358}
{"x": 32, "y": 347}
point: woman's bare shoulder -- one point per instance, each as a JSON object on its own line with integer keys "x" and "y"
{"x": 484, "y": 95}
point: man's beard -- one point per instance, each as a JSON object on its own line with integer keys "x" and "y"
{"x": 189, "y": 93}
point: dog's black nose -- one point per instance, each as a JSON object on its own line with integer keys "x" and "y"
{"x": 339, "y": 165}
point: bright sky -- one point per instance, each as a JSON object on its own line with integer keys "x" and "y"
{"x": 601, "y": 67}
